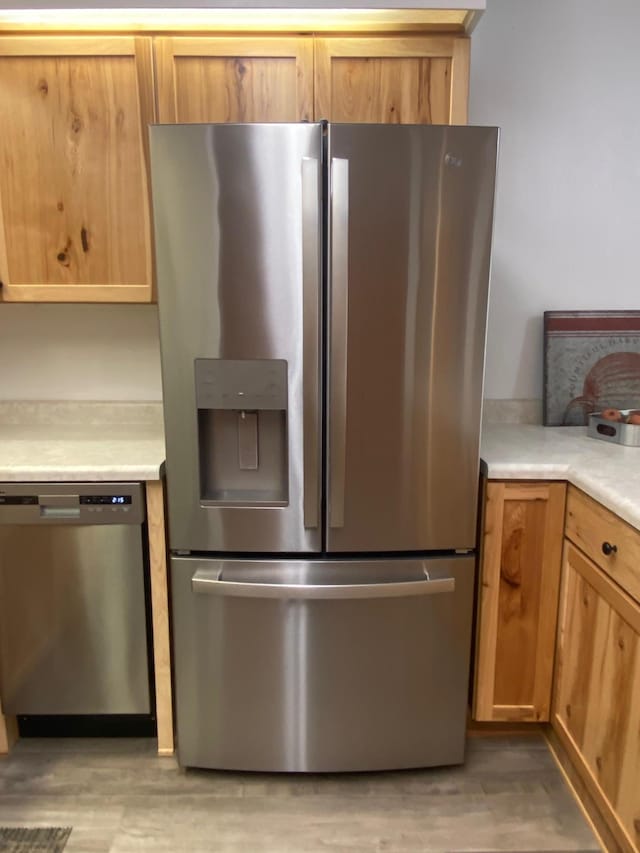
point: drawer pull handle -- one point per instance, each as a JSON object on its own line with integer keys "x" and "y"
{"x": 608, "y": 549}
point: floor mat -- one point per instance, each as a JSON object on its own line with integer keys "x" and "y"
{"x": 44, "y": 839}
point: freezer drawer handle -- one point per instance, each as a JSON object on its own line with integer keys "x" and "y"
{"x": 207, "y": 582}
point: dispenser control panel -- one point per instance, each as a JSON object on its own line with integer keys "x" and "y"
{"x": 243, "y": 385}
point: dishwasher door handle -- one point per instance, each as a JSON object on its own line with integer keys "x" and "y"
{"x": 208, "y": 582}
{"x": 61, "y": 512}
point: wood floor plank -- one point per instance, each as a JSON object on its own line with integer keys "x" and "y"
{"x": 120, "y": 797}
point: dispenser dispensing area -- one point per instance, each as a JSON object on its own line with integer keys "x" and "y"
{"x": 242, "y": 431}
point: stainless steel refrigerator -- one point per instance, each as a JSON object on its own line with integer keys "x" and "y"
{"x": 323, "y": 296}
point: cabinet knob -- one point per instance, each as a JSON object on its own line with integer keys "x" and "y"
{"x": 608, "y": 548}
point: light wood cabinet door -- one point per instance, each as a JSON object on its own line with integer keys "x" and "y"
{"x": 390, "y": 79}
{"x": 518, "y": 600}
{"x": 597, "y": 693}
{"x": 213, "y": 79}
{"x": 74, "y": 188}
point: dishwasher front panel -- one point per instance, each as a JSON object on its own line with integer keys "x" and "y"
{"x": 321, "y": 666}
{"x": 73, "y": 636}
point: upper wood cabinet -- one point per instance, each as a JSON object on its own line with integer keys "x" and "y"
{"x": 518, "y": 600}
{"x": 74, "y": 203}
{"x": 75, "y": 222}
{"x": 400, "y": 80}
{"x": 213, "y": 79}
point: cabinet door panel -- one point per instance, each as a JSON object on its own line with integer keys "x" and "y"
{"x": 234, "y": 79}
{"x": 597, "y": 703}
{"x": 410, "y": 80}
{"x": 74, "y": 187}
{"x": 578, "y": 619}
{"x": 519, "y": 600}
{"x": 519, "y": 580}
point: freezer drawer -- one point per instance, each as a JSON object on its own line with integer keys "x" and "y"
{"x": 321, "y": 666}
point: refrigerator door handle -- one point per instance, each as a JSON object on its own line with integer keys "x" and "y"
{"x": 210, "y": 582}
{"x": 338, "y": 337}
{"x": 310, "y": 342}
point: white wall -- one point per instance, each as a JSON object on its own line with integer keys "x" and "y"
{"x": 79, "y": 352}
{"x": 562, "y": 80}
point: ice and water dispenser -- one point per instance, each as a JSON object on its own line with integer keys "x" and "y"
{"x": 242, "y": 431}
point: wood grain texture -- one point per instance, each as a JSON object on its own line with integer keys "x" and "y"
{"x": 8, "y": 732}
{"x": 589, "y": 524}
{"x": 143, "y": 51}
{"x": 577, "y": 618}
{"x": 390, "y": 90}
{"x": 460, "y": 71}
{"x": 488, "y": 602}
{"x": 520, "y": 576}
{"x": 66, "y": 45}
{"x": 581, "y": 792}
{"x": 549, "y": 599}
{"x": 74, "y": 188}
{"x": 521, "y": 570}
{"x": 160, "y": 616}
{"x": 218, "y": 20}
{"x": 597, "y": 695}
{"x": 389, "y": 79}
{"x": 235, "y": 79}
{"x": 4, "y": 266}
{"x": 628, "y": 801}
{"x": 593, "y": 789}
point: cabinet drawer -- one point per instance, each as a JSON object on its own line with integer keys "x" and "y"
{"x": 593, "y": 528}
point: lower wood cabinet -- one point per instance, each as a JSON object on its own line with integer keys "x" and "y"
{"x": 597, "y": 691}
{"x": 517, "y": 600}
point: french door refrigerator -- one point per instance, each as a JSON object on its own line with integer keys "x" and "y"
{"x": 323, "y": 294}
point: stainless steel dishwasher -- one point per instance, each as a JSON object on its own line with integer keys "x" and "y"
{"x": 73, "y": 627}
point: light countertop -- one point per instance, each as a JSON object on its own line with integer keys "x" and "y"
{"x": 70, "y": 446}
{"x": 609, "y": 473}
{"x": 118, "y": 442}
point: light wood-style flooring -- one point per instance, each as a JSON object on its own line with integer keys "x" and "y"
{"x": 120, "y": 797}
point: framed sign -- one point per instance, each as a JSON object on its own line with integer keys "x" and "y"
{"x": 591, "y": 362}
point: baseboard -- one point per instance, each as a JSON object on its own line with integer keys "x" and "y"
{"x": 487, "y": 729}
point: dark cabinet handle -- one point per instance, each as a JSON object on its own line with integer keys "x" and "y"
{"x": 608, "y": 549}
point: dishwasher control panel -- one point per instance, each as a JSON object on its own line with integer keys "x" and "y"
{"x": 106, "y": 500}
{"x": 72, "y": 503}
